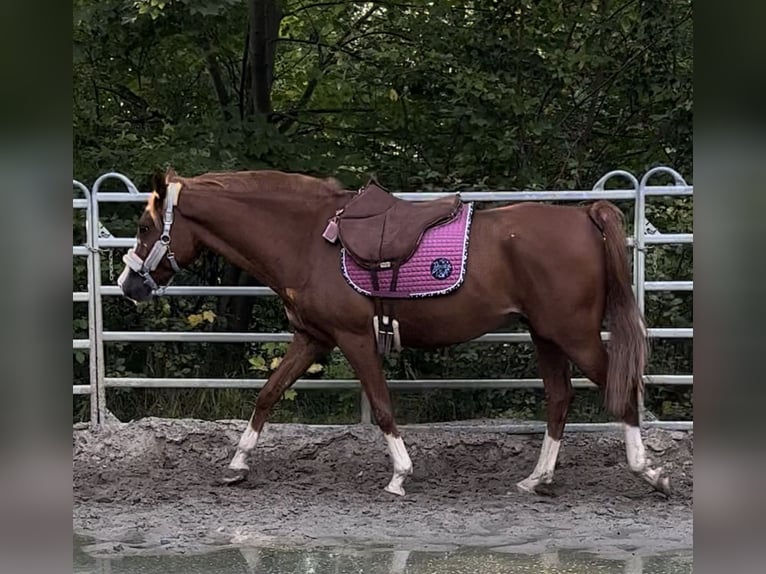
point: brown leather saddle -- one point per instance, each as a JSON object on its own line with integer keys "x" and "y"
{"x": 380, "y": 232}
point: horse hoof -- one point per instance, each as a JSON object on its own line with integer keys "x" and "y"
{"x": 526, "y": 486}
{"x": 663, "y": 485}
{"x": 654, "y": 476}
{"x": 233, "y": 476}
{"x": 397, "y": 490}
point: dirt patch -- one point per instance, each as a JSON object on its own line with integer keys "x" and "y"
{"x": 152, "y": 486}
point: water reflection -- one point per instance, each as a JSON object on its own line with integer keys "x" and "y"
{"x": 376, "y": 561}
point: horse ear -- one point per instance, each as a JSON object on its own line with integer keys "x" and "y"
{"x": 159, "y": 185}
{"x": 170, "y": 174}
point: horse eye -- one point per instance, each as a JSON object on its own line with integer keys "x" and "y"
{"x": 143, "y": 229}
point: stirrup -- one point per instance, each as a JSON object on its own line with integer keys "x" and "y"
{"x": 387, "y": 334}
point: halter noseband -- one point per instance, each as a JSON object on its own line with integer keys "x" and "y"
{"x": 161, "y": 247}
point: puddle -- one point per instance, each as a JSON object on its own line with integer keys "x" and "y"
{"x": 345, "y": 560}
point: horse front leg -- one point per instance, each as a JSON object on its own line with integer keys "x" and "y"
{"x": 301, "y": 353}
{"x": 553, "y": 365}
{"x": 361, "y": 352}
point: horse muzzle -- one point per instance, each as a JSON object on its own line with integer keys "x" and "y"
{"x": 133, "y": 286}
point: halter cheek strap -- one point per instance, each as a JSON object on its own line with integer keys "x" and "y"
{"x": 161, "y": 247}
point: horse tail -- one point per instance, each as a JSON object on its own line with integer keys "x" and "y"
{"x": 627, "y": 347}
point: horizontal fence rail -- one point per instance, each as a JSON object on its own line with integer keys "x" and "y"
{"x": 253, "y": 337}
{"x": 97, "y": 244}
{"x": 339, "y": 384}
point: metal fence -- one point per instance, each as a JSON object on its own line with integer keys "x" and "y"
{"x": 88, "y": 345}
{"x": 644, "y": 234}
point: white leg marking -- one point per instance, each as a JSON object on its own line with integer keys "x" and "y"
{"x": 543, "y": 473}
{"x": 634, "y": 448}
{"x": 639, "y": 464}
{"x": 402, "y": 464}
{"x": 399, "y": 561}
{"x": 550, "y": 560}
{"x": 246, "y": 444}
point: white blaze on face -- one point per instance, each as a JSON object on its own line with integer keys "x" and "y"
{"x": 401, "y": 461}
{"x": 546, "y": 464}
{"x": 246, "y": 444}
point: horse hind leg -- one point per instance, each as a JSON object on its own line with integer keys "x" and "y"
{"x": 591, "y": 356}
{"x": 301, "y": 353}
{"x": 640, "y": 464}
{"x": 361, "y": 352}
{"x": 553, "y": 365}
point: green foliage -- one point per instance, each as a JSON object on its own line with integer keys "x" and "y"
{"x": 483, "y": 94}
{"x": 504, "y": 94}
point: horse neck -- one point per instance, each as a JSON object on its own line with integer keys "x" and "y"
{"x": 263, "y": 235}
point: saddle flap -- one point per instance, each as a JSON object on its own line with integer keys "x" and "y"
{"x": 363, "y": 238}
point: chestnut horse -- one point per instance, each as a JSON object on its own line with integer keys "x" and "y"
{"x": 563, "y": 269}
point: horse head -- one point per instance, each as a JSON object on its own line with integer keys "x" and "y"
{"x": 165, "y": 242}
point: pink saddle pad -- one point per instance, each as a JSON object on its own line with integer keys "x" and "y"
{"x": 436, "y": 268}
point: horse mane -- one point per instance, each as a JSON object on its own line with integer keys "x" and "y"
{"x": 264, "y": 181}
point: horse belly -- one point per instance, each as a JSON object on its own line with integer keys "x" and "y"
{"x": 487, "y": 299}
{"x": 455, "y": 318}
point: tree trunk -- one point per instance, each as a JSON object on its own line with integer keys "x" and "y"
{"x": 214, "y": 69}
{"x": 265, "y": 17}
{"x": 254, "y": 98}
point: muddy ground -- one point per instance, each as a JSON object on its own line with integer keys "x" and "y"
{"x": 151, "y": 486}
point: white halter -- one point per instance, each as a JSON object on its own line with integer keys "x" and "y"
{"x": 161, "y": 247}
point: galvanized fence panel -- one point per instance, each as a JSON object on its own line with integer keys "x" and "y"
{"x": 89, "y": 344}
{"x": 638, "y": 192}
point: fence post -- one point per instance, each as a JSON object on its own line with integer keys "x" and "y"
{"x": 640, "y": 257}
{"x": 639, "y": 272}
{"x": 93, "y": 332}
{"x": 639, "y": 245}
{"x": 103, "y": 414}
{"x": 98, "y": 317}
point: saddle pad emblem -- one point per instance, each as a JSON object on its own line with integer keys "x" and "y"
{"x": 441, "y": 268}
{"x": 437, "y": 267}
